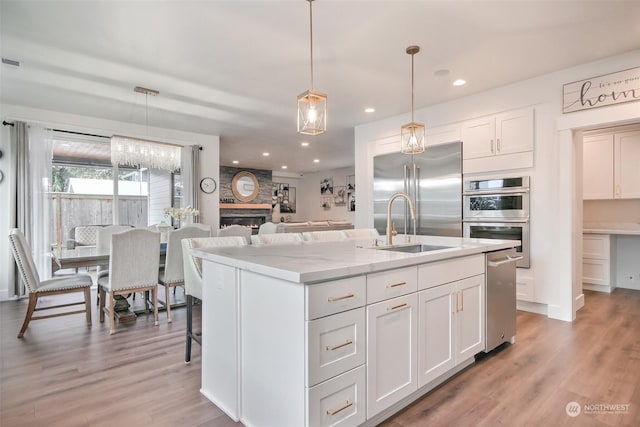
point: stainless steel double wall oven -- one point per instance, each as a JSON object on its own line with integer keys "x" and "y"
{"x": 498, "y": 209}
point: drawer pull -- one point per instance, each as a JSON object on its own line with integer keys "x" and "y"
{"x": 395, "y": 307}
{"x": 335, "y": 347}
{"x": 348, "y": 404}
{"x": 397, "y": 284}
{"x": 332, "y": 299}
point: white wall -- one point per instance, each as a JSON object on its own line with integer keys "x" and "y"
{"x": 309, "y": 197}
{"x": 209, "y": 163}
{"x": 556, "y": 212}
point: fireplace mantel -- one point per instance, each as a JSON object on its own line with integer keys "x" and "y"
{"x": 245, "y": 206}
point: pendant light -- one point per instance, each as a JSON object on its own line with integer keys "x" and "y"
{"x": 312, "y": 105}
{"x": 412, "y": 134}
{"x": 144, "y": 153}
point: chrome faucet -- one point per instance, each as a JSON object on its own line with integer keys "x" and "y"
{"x": 412, "y": 210}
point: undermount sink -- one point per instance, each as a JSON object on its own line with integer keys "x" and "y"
{"x": 414, "y": 249}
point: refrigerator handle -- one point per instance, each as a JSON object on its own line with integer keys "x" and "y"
{"x": 407, "y": 189}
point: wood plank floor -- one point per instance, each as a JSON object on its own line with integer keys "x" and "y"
{"x": 65, "y": 374}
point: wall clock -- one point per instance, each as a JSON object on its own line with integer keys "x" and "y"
{"x": 208, "y": 184}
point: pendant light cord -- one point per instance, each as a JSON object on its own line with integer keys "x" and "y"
{"x": 311, "y": 37}
{"x": 412, "y": 55}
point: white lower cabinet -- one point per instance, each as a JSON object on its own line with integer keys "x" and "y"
{"x": 450, "y": 326}
{"x": 391, "y": 351}
{"x": 339, "y": 401}
{"x": 436, "y": 352}
{"x": 469, "y": 321}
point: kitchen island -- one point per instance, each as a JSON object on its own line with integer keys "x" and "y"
{"x": 338, "y": 333}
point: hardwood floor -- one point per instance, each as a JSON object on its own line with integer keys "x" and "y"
{"x": 65, "y": 374}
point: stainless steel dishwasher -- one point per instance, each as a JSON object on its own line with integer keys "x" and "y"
{"x": 500, "y": 301}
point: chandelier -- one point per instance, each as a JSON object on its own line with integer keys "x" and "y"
{"x": 144, "y": 153}
{"x": 412, "y": 134}
{"x": 312, "y": 105}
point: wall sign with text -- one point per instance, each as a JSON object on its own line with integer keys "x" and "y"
{"x": 600, "y": 91}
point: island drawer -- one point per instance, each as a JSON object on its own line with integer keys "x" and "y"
{"x": 335, "y": 344}
{"x": 335, "y": 296}
{"x": 339, "y": 401}
{"x": 449, "y": 270}
{"x": 391, "y": 284}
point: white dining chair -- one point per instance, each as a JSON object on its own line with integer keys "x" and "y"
{"x": 206, "y": 227}
{"x": 323, "y": 236}
{"x": 37, "y": 288}
{"x": 268, "y": 228}
{"x": 172, "y": 274}
{"x": 103, "y": 244}
{"x": 193, "y": 277}
{"x": 361, "y": 233}
{"x": 276, "y": 239}
{"x": 134, "y": 260}
{"x": 236, "y": 230}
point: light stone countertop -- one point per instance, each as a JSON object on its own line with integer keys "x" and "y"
{"x": 629, "y": 228}
{"x": 319, "y": 261}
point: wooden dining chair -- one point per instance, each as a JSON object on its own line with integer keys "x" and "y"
{"x": 134, "y": 260}
{"x": 37, "y": 288}
{"x": 172, "y": 274}
{"x": 193, "y": 277}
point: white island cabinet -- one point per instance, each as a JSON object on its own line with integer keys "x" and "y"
{"x": 333, "y": 334}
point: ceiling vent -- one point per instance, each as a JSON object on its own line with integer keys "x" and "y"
{"x": 11, "y": 62}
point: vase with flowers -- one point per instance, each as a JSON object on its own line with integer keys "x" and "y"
{"x": 180, "y": 214}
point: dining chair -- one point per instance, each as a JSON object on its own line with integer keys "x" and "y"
{"x": 201, "y": 226}
{"x": 276, "y": 239}
{"x": 193, "y": 277}
{"x": 172, "y": 274}
{"x": 37, "y": 288}
{"x": 134, "y": 260}
{"x": 236, "y": 230}
{"x": 323, "y": 236}
{"x": 103, "y": 238}
{"x": 268, "y": 228}
{"x": 361, "y": 233}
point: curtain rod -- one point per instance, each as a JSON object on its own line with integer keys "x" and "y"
{"x": 81, "y": 133}
{"x": 6, "y": 123}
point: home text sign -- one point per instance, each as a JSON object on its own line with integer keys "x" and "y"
{"x": 610, "y": 89}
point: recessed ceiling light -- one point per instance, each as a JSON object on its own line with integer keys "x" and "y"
{"x": 265, "y": 154}
{"x": 304, "y": 144}
{"x": 284, "y": 166}
{"x": 459, "y": 82}
{"x": 442, "y": 73}
{"x": 235, "y": 162}
{"x": 369, "y": 110}
{"x": 316, "y": 160}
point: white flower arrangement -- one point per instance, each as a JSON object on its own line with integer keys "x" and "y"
{"x": 179, "y": 214}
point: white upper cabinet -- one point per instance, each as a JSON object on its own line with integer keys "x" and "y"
{"x": 442, "y": 134}
{"x": 610, "y": 166}
{"x": 627, "y": 165}
{"x": 597, "y": 167}
{"x": 506, "y": 133}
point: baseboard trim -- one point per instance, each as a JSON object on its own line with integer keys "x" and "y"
{"x": 532, "y": 307}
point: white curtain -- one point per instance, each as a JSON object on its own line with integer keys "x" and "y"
{"x": 40, "y": 156}
{"x": 190, "y": 172}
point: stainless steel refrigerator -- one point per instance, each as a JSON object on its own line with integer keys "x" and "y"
{"x": 433, "y": 179}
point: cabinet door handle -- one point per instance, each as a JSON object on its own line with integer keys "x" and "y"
{"x": 332, "y": 299}
{"x": 335, "y": 411}
{"x": 499, "y": 146}
{"x": 396, "y": 284}
{"x": 461, "y": 301}
{"x": 335, "y": 347}
{"x": 395, "y": 307}
{"x": 492, "y": 147}
{"x": 617, "y": 189}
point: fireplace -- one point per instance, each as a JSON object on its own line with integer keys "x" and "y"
{"x": 252, "y": 221}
